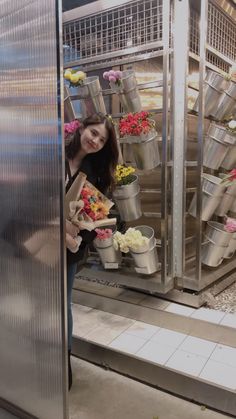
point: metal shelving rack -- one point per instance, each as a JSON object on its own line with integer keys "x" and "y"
{"x": 99, "y": 37}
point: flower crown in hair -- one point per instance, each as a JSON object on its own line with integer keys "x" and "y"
{"x": 71, "y": 127}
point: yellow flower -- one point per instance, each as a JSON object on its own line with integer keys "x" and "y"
{"x": 67, "y": 74}
{"x": 81, "y": 75}
{"x": 74, "y": 78}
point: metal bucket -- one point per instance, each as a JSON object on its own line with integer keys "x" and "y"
{"x": 212, "y": 191}
{"x": 229, "y": 161}
{"x": 127, "y": 200}
{"x": 226, "y": 103}
{"x": 233, "y": 207}
{"x": 212, "y": 255}
{"x": 214, "y": 85}
{"x": 69, "y": 111}
{"x": 231, "y": 247}
{"x": 216, "y": 233}
{"x": 128, "y": 92}
{"x": 225, "y": 204}
{"x": 91, "y": 96}
{"x": 146, "y": 262}
{"x": 214, "y": 152}
{"x": 148, "y": 232}
{"x": 106, "y": 251}
{"x": 145, "y": 150}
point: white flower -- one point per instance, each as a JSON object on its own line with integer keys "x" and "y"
{"x": 232, "y": 124}
{"x": 132, "y": 239}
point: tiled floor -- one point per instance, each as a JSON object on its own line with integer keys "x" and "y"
{"x": 197, "y": 357}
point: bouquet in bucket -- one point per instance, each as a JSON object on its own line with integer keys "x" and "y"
{"x": 113, "y": 76}
{"x": 86, "y": 207}
{"x": 131, "y": 240}
{"x": 230, "y": 225}
{"x": 136, "y": 124}
{"x": 103, "y": 233}
{"x": 124, "y": 175}
{"x": 75, "y": 77}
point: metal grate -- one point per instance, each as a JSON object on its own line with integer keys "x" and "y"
{"x": 133, "y": 24}
{"x": 221, "y": 32}
{"x": 138, "y": 24}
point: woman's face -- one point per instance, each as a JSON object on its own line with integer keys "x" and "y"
{"x": 93, "y": 138}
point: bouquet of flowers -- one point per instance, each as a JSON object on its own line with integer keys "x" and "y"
{"x": 124, "y": 175}
{"x": 230, "y": 225}
{"x": 103, "y": 233}
{"x": 86, "y": 207}
{"x": 75, "y": 77}
{"x": 113, "y": 76}
{"x": 230, "y": 178}
{"x": 131, "y": 240}
{"x": 135, "y": 124}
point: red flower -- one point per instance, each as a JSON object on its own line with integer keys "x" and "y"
{"x": 135, "y": 124}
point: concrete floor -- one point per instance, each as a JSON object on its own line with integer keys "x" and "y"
{"x": 103, "y": 394}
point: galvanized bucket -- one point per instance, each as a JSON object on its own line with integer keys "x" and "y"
{"x": 128, "y": 92}
{"x": 215, "y": 84}
{"x": 216, "y": 233}
{"x": 212, "y": 191}
{"x": 127, "y": 200}
{"x": 225, "y": 204}
{"x": 229, "y": 161}
{"x": 233, "y": 207}
{"x": 145, "y": 150}
{"x": 214, "y": 249}
{"x": 212, "y": 255}
{"x": 108, "y": 254}
{"x": 231, "y": 247}
{"x": 91, "y": 96}
{"x": 215, "y": 147}
{"x": 146, "y": 257}
{"x": 226, "y": 103}
{"x": 69, "y": 111}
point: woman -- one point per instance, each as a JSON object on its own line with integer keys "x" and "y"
{"x": 94, "y": 151}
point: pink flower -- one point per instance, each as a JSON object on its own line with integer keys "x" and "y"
{"x": 106, "y": 75}
{"x": 71, "y": 127}
{"x": 118, "y": 74}
{"x": 103, "y": 233}
{"x": 112, "y": 79}
{"x": 230, "y": 225}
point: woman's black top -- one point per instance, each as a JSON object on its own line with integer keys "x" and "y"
{"x": 87, "y": 236}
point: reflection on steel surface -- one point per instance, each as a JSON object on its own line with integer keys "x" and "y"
{"x": 31, "y": 248}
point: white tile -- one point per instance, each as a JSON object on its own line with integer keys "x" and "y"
{"x": 103, "y": 335}
{"x": 142, "y": 330}
{"x": 155, "y": 352}
{"x": 83, "y": 309}
{"x": 130, "y": 296}
{"x": 229, "y": 320}
{"x": 198, "y": 346}
{"x": 186, "y": 362}
{"x": 224, "y": 354}
{"x": 180, "y": 309}
{"x": 127, "y": 343}
{"x": 220, "y": 374}
{"x": 209, "y": 315}
{"x": 169, "y": 337}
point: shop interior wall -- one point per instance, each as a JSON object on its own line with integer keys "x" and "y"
{"x": 32, "y": 318}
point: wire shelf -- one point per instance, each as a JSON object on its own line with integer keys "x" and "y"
{"x": 139, "y": 23}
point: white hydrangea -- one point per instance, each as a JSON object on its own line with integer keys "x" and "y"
{"x": 132, "y": 239}
{"x": 232, "y": 124}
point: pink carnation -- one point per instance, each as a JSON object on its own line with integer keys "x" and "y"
{"x": 230, "y": 225}
{"x": 103, "y": 233}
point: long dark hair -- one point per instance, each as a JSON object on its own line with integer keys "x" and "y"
{"x": 105, "y": 160}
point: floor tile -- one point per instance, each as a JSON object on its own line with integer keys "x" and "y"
{"x": 224, "y": 354}
{"x": 155, "y": 303}
{"x": 127, "y": 343}
{"x": 130, "y": 297}
{"x": 198, "y": 346}
{"x": 229, "y": 320}
{"x": 220, "y": 374}
{"x": 209, "y": 315}
{"x": 186, "y": 362}
{"x": 155, "y": 352}
{"x": 142, "y": 330}
{"x": 180, "y": 309}
{"x": 169, "y": 337}
{"x": 103, "y": 335}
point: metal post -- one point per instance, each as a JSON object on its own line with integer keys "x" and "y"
{"x": 165, "y": 130}
{"x": 200, "y": 132}
{"x": 179, "y": 119}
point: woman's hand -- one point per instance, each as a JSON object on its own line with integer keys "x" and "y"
{"x": 72, "y": 229}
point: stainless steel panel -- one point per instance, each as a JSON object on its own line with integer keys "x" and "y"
{"x": 32, "y": 320}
